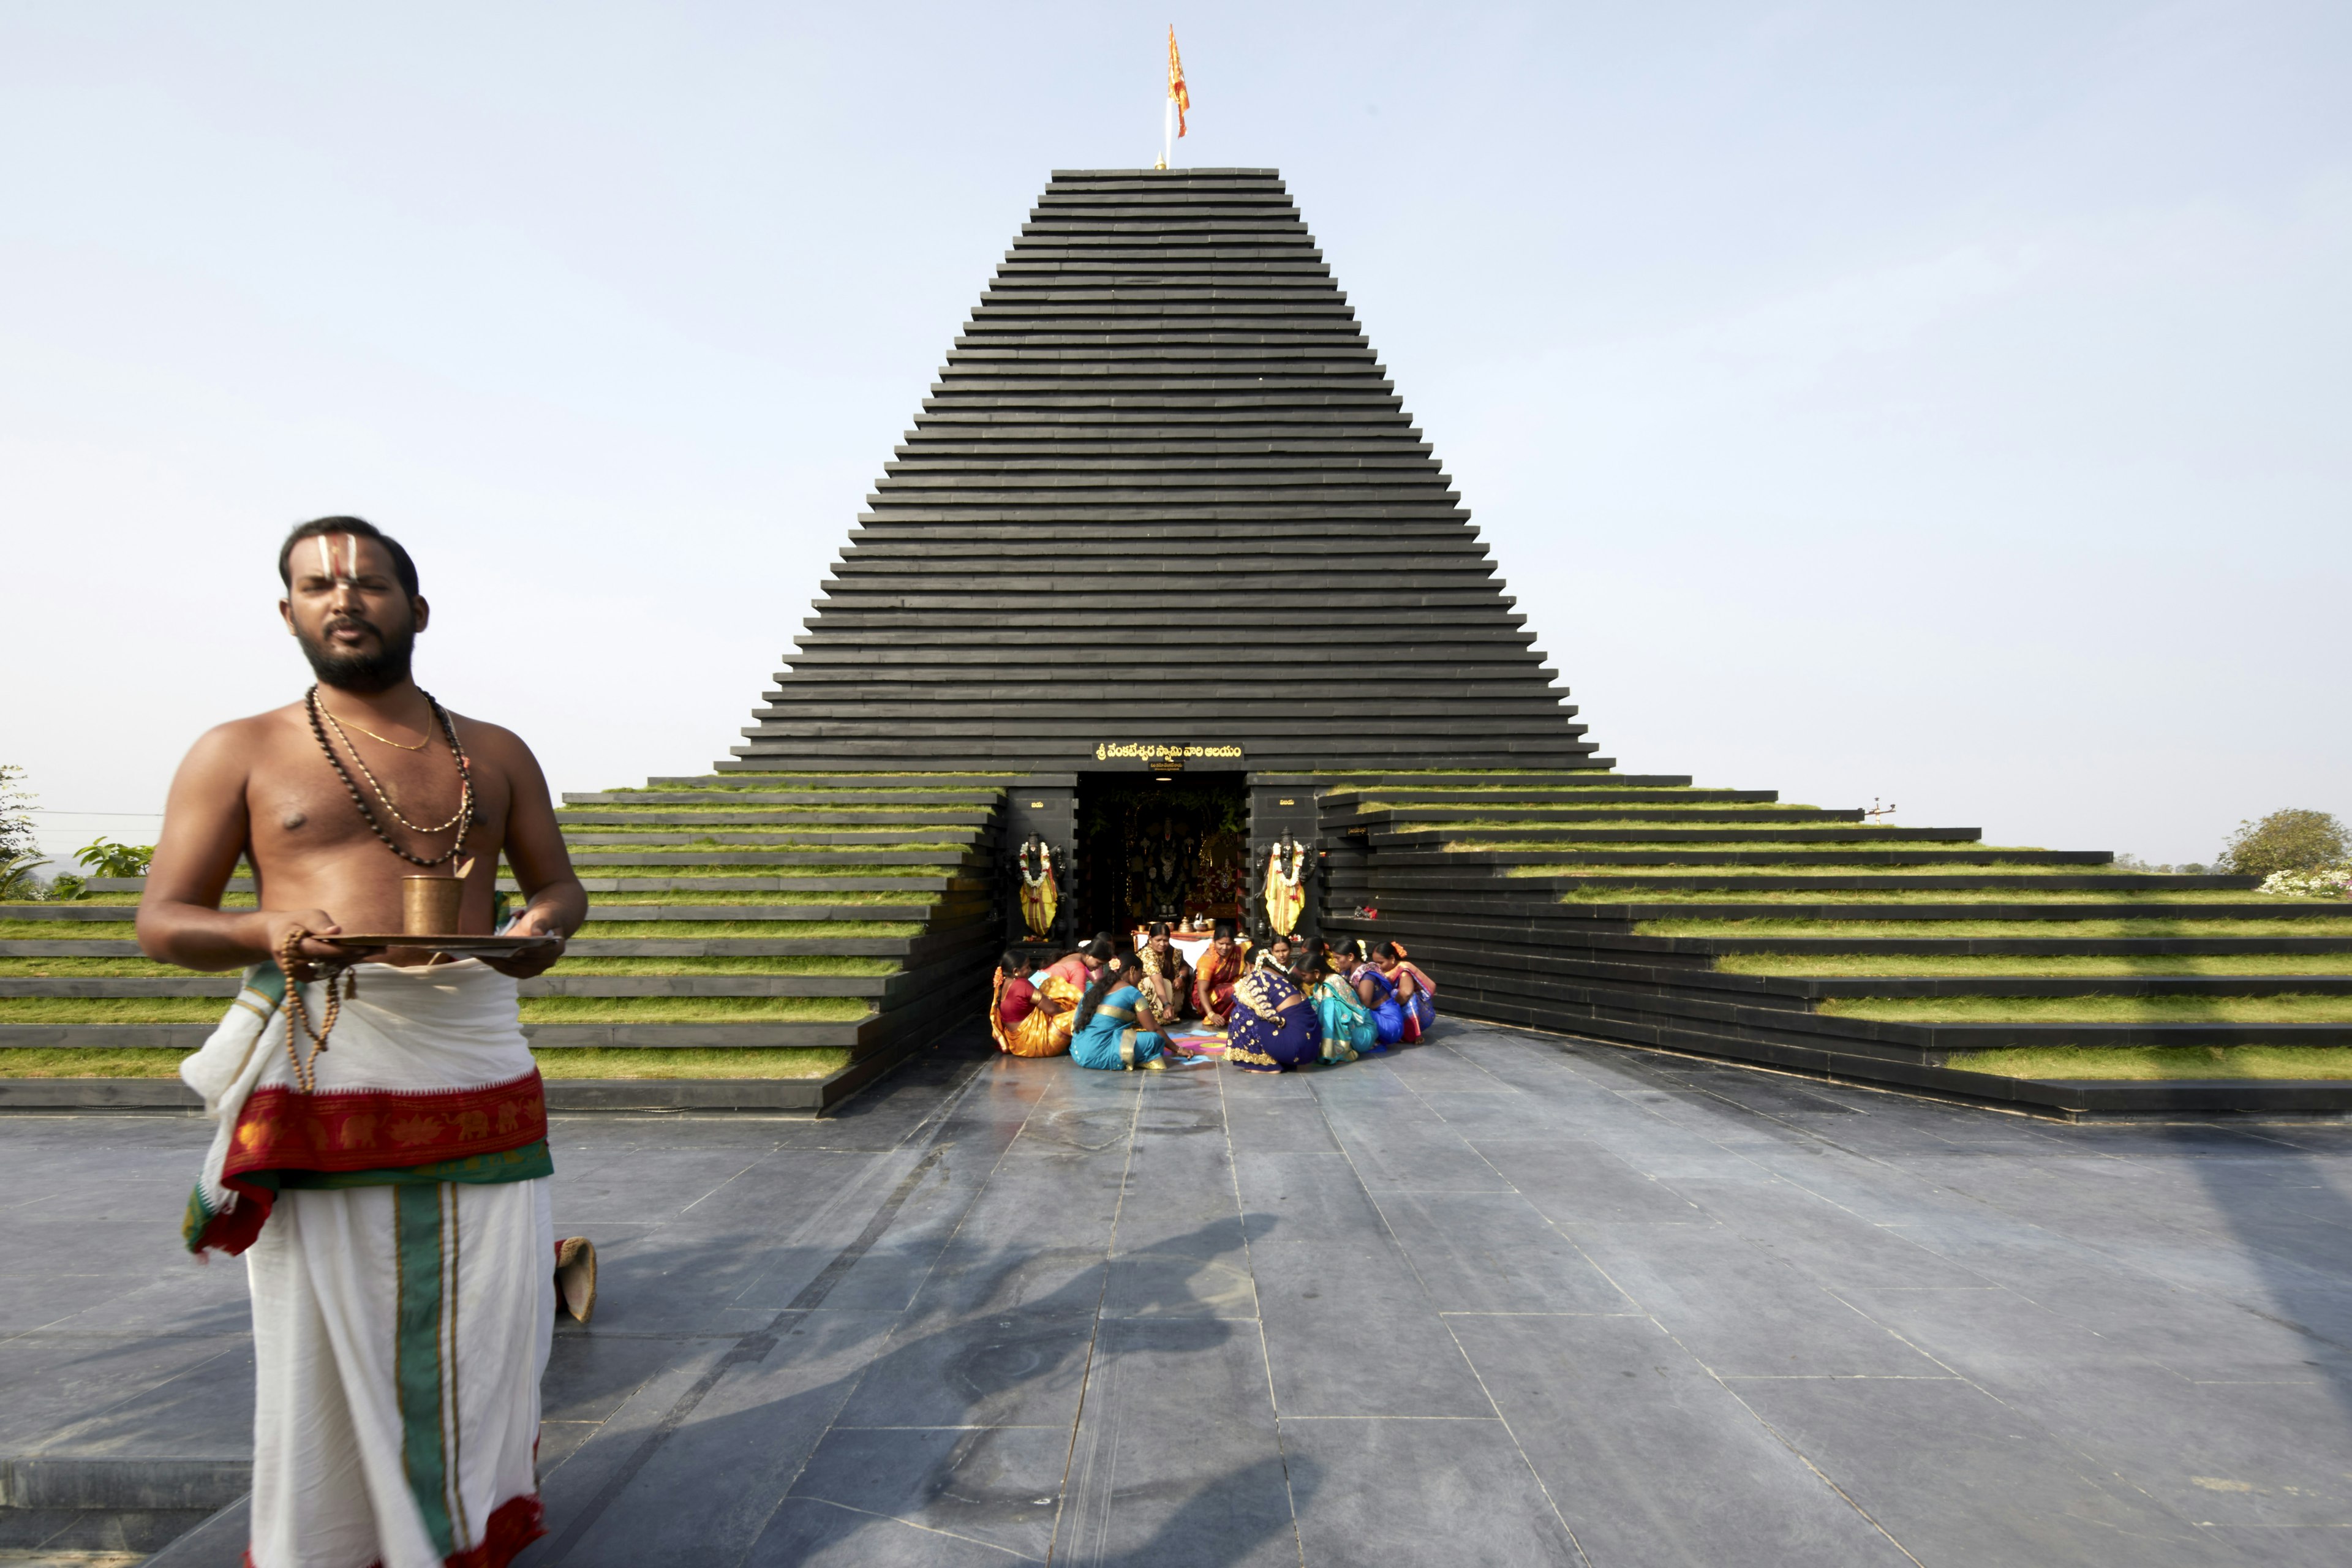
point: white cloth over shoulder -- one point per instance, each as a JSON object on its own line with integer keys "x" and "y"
{"x": 430, "y": 1030}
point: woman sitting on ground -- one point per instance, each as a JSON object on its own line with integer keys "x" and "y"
{"x": 1011, "y": 999}
{"x": 1416, "y": 993}
{"x": 1162, "y": 974}
{"x": 1378, "y": 993}
{"x": 1117, "y": 1028}
{"x": 1283, "y": 952}
{"x": 1214, "y": 977}
{"x": 1347, "y": 1023}
{"x": 1045, "y": 1032}
{"x": 1273, "y": 1027}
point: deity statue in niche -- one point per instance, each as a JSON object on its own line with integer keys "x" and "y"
{"x": 1166, "y": 855}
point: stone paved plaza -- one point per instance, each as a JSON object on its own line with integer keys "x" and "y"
{"x": 1501, "y": 1299}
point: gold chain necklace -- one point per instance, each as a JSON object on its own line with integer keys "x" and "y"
{"x": 465, "y": 785}
{"x": 372, "y": 735}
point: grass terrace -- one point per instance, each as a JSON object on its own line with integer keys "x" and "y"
{"x": 2288, "y": 1008}
{"x": 2139, "y": 894}
{"x": 55, "y": 1010}
{"x": 2055, "y": 966}
{"x": 2157, "y": 1063}
{"x": 556, "y": 1066}
{"x": 1865, "y": 931}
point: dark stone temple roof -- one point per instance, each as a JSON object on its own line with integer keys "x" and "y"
{"x": 1164, "y": 494}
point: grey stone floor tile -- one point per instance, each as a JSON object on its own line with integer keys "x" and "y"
{"x": 1024, "y": 1368}
{"x": 1309, "y": 1196}
{"x": 706, "y": 1491}
{"x": 1744, "y": 1313}
{"x": 1493, "y": 1252}
{"x": 1177, "y": 1458}
{"x": 1285, "y": 1127}
{"x": 997, "y": 1485}
{"x": 1452, "y": 1492}
{"x": 804, "y": 1532}
{"x": 1955, "y": 1477}
{"x": 57, "y": 1384}
{"x": 1406, "y": 1148}
{"x": 1316, "y": 1301}
{"x": 1575, "y": 1183}
{"x": 2316, "y": 1547}
{"x": 1814, "y": 1235}
{"x": 1651, "y": 1460}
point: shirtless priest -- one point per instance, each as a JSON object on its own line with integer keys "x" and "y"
{"x": 387, "y": 1184}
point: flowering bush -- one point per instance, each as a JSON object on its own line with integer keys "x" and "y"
{"x": 2320, "y": 882}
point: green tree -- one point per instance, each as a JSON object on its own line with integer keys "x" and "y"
{"x": 20, "y": 856}
{"x": 105, "y": 858}
{"x": 16, "y": 814}
{"x": 2290, "y": 840}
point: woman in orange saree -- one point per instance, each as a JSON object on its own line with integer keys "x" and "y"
{"x": 1214, "y": 977}
{"x": 1045, "y": 1032}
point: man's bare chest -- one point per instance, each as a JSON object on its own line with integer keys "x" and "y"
{"x": 299, "y": 803}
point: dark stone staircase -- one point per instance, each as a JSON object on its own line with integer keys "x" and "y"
{"x": 834, "y": 914}
{"x": 1721, "y": 923}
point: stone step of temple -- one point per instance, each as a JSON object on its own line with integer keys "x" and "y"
{"x": 975, "y": 804}
{"x": 661, "y": 831}
{"x": 1402, "y": 802}
{"x": 910, "y": 948}
{"x": 556, "y": 985}
{"x": 1475, "y": 836}
{"x": 590, "y": 857}
{"x": 1408, "y": 863}
{"x": 1635, "y": 969}
{"x": 917, "y": 817}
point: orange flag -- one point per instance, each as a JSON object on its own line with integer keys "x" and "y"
{"x": 1176, "y": 80}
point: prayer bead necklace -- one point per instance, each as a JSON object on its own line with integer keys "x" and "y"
{"x": 463, "y": 822}
{"x": 292, "y": 965}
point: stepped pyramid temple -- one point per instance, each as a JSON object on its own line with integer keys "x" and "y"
{"x": 1164, "y": 584}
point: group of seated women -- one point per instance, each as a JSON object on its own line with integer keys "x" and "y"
{"x": 1297, "y": 1001}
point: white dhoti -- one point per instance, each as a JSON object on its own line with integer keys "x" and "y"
{"x": 399, "y": 1334}
{"x": 397, "y": 1235}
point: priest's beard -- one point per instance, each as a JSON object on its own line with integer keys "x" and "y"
{"x": 363, "y": 672}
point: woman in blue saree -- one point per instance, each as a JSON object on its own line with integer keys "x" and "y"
{"x": 1347, "y": 1028}
{"x": 1116, "y": 1028}
{"x": 1271, "y": 1027}
{"x": 1379, "y": 995}
{"x": 1416, "y": 993}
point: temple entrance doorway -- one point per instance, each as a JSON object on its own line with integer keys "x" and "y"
{"x": 1162, "y": 849}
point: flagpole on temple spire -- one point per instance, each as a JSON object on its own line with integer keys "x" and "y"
{"x": 1179, "y": 101}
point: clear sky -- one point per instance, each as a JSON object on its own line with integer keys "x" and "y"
{"x": 1948, "y": 405}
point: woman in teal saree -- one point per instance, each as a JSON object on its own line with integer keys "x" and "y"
{"x": 1116, "y": 1028}
{"x": 1348, "y": 1031}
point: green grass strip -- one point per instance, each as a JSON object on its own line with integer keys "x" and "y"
{"x": 783, "y": 1061}
{"x": 535, "y": 1009}
{"x": 2047, "y": 930}
{"x": 788, "y": 1061}
{"x": 2154, "y": 1064}
{"x": 68, "y": 930}
{"x": 1758, "y": 846}
{"x": 1939, "y": 869}
{"x": 2166, "y": 899}
{"x": 81, "y": 968}
{"x": 575, "y": 964}
{"x": 2292, "y": 1008}
{"x": 2057, "y": 967}
{"x": 714, "y": 872}
{"x": 624, "y": 898}
{"x": 632, "y": 931}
